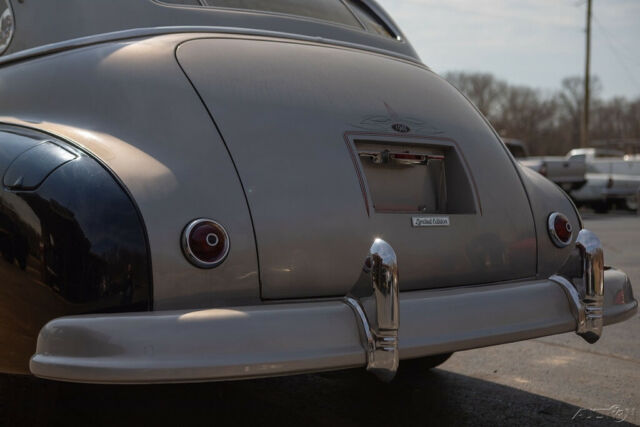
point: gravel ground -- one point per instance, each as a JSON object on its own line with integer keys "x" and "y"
{"x": 556, "y": 380}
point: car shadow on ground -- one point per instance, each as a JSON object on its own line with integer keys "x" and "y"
{"x": 344, "y": 398}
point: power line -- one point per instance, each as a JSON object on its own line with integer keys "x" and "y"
{"x": 630, "y": 52}
{"x": 616, "y": 52}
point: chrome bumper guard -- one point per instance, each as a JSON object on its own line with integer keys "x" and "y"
{"x": 378, "y": 328}
{"x": 585, "y": 287}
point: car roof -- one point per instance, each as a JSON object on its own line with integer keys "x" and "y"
{"x": 62, "y": 21}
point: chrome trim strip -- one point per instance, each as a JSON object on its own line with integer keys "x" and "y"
{"x": 366, "y": 336}
{"x": 379, "y": 327}
{"x": 586, "y": 292}
{"x": 575, "y": 302}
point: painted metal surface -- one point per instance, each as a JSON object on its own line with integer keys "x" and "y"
{"x": 71, "y": 243}
{"x": 546, "y": 197}
{"x": 57, "y": 102}
{"x": 59, "y": 21}
{"x": 147, "y": 125}
{"x": 263, "y": 129}
{"x": 289, "y": 113}
{"x": 278, "y": 339}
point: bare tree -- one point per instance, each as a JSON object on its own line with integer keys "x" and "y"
{"x": 548, "y": 123}
{"x": 525, "y": 114}
{"x": 483, "y": 89}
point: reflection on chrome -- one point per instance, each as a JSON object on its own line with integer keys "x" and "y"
{"x": 7, "y": 25}
{"x": 585, "y": 288}
{"x": 378, "y": 283}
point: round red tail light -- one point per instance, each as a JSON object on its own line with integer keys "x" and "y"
{"x": 205, "y": 243}
{"x": 560, "y": 229}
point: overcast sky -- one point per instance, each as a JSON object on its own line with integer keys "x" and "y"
{"x": 529, "y": 42}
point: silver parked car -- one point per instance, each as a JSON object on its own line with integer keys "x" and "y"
{"x": 222, "y": 189}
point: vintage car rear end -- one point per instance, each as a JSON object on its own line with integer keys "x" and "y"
{"x": 265, "y": 191}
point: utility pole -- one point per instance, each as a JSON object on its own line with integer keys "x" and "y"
{"x": 584, "y": 135}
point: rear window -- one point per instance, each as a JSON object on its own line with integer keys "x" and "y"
{"x": 354, "y": 13}
{"x": 370, "y": 20}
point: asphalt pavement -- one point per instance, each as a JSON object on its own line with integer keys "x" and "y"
{"x": 555, "y": 380}
{"x": 601, "y": 379}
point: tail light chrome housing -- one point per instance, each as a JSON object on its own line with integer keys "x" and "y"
{"x": 205, "y": 243}
{"x": 560, "y": 229}
{"x": 7, "y": 25}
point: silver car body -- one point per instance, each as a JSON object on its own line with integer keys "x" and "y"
{"x": 280, "y": 128}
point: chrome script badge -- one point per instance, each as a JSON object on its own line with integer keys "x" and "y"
{"x": 430, "y": 221}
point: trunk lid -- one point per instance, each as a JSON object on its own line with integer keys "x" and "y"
{"x": 338, "y": 146}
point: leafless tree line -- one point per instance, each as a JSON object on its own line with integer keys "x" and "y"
{"x": 549, "y": 123}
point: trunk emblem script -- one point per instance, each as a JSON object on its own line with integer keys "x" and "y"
{"x": 400, "y": 127}
{"x": 430, "y": 221}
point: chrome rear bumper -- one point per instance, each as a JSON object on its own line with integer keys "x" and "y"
{"x": 280, "y": 339}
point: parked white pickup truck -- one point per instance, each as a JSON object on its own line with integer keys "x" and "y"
{"x": 567, "y": 172}
{"x": 609, "y": 161}
{"x": 613, "y": 178}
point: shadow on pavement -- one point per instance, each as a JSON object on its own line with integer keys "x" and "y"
{"x": 331, "y": 399}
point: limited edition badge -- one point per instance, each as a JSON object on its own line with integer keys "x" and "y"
{"x": 430, "y": 221}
